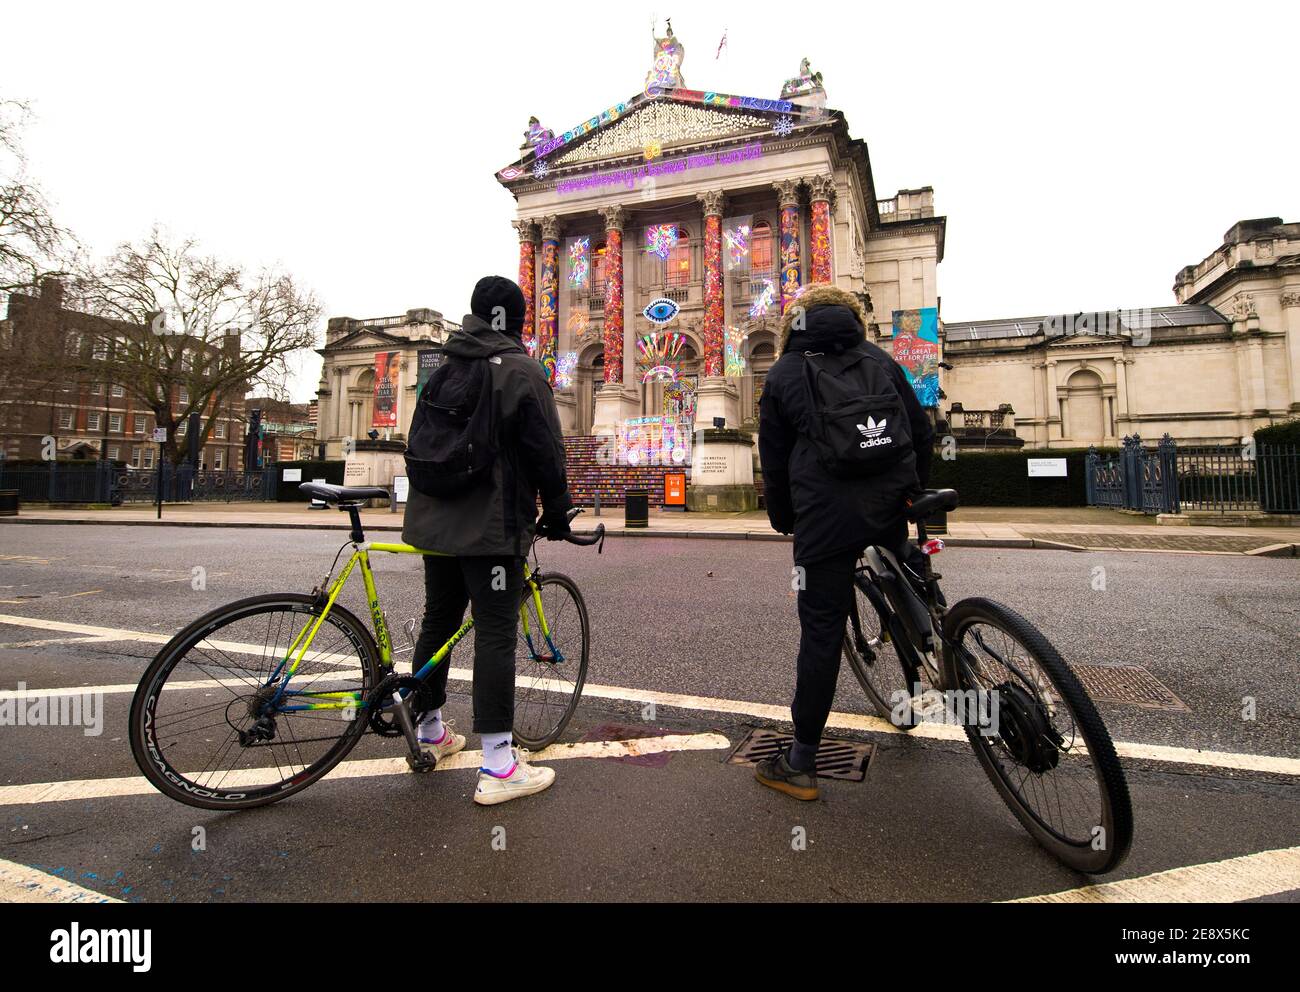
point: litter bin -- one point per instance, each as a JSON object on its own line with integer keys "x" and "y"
{"x": 8, "y": 502}
{"x": 636, "y": 508}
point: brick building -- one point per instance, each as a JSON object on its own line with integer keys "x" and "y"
{"x": 88, "y": 416}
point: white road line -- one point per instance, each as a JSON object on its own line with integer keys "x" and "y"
{"x": 1233, "y": 880}
{"x": 18, "y": 883}
{"x": 1137, "y": 750}
{"x": 138, "y": 785}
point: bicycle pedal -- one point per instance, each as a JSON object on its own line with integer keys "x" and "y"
{"x": 421, "y": 766}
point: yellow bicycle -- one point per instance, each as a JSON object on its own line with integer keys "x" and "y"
{"x": 262, "y": 697}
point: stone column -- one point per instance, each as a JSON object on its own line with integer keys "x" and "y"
{"x": 612, "y": 331}
{"x": 615, "y": 400}
{"x": 822, "y": 197}
{"x": 528, "y": 278}
{"x": 1290, "y": 300}
{"x": 788, "y": 192}
{"x": 548, "y": 296}
{"x": 714, "y": 318}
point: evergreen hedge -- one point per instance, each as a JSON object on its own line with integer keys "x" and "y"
{"x": 1001, "y": 478}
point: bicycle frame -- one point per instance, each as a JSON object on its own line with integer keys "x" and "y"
{"x": 297, "y": 651}
{"x": 893, "y": 598}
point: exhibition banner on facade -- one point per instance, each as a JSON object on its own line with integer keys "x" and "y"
{"x": 426, "y": 360}
{"x": 388, "y": 368}
{"x": 916, "y": 348}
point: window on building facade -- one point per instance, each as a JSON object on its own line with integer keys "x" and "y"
{"x": 677, "y": 269}
{"x": 114, "y": 452}
{"x": 181, "y": 428}
{"x": 139, "y": 424}
{"x": 183, "y": 394}
{"x": 118, "y": 391}
{"x": 93, "y": 421}
{"x": 761, "y": 250}
{"x": 218, "y": 459}
{"x": 219, "y": 431}
{"x": 96, "y": 389}
{"x": 65, "y": 420}
{"x": 135, "y": 457}
{"x": 101, "y": 350}
{"x": 148, "y": 457}
{"x": 115, "y": 423}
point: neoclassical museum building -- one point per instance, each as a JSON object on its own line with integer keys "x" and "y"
{"x": 661, "y": 240}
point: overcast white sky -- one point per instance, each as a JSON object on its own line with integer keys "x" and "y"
{"x": 1082, "y": 153}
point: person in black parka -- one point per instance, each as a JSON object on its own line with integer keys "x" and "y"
{"x": 833, "y": 520}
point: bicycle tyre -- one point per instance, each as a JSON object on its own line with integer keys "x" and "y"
{"x": 150, "y": 756}
{"x": 1116, "y": 811}
{"x": 870, "y": 673}
{"x": 537, "y": 738}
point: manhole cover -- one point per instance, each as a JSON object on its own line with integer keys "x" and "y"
{"x": 836, "y": 758}
{"x": 1130, "y": 684}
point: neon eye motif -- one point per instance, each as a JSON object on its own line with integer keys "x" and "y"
{"x": 661, "y": 311}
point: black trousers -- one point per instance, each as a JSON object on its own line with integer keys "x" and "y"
{"x": 492, "y": 587}
{"x": 825, "y": 599}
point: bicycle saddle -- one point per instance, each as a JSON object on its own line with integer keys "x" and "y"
{"x": 930, "y": 502}
{"x": 342, "y": 494}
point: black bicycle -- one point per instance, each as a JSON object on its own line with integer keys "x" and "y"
{"x": 1032, "y": 725}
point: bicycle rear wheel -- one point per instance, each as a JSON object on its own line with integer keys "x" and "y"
{"x": 889, "y": 682}
{"x": 1047, "y": 751}
{"x": 550, "y": 671}
{"x": 206, "y": 726}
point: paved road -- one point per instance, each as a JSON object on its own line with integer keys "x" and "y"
{"x": 708, "y": 619}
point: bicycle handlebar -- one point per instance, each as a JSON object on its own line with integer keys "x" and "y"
{"x": 586, "y": 540}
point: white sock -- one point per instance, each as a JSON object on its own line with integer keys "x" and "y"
{"x": 431, "y": 728}
{"x": 497, "y": 755}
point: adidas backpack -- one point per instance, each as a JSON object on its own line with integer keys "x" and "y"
{"x": 857, "y": 423}
{"x": 452, "y": 444}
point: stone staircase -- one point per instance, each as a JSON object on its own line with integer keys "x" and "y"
{"x": 588, "y": 477}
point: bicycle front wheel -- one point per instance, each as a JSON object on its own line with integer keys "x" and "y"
{"x": 1038, "y": 736}
{"x": 890, "y": 682}
{"x": 551, "y": 660}
{"x": 213, "y": 725}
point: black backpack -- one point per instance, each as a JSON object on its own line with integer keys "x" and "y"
{"x": 452, "y": 444}
{"x": 856, "y": 419}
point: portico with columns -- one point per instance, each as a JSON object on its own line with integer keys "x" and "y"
{"x": 762, "y": 196}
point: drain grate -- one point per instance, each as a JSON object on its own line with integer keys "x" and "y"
{"x": 1130, "y": 684}
{"x": 836, "y": 758}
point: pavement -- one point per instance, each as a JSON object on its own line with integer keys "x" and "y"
{"x": 1093, "y": 528}
{"x": 692, "y": 648}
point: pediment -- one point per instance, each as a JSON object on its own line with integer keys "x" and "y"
{"x": 665, "y": 122}
{"x": 368, "y": 339}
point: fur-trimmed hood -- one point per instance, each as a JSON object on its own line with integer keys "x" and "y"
{"x": 820, "y": 294}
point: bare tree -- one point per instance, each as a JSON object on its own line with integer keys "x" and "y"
{"x": 32, "y": 247}
{"x": 31, "y": 243}
{"x": 184, "y": 332}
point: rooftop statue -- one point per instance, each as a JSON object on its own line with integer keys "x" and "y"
{"x": 667, "y": 71}
{"x": 807, "y": 83}
{"x": 536, "y": 134}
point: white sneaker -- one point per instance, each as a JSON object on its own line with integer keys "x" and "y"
{"x": 451, "y": 743}
{"x": 525, "y": 780}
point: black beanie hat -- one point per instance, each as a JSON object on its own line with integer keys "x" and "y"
{"x": 492, "y": 292}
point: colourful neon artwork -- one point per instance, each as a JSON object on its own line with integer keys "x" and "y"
{"x": 820, "y": 236}
{"x": 578, "y": 322}
{"x": 629, "y": 178}
{"x": 737, "y": 240}
{"x": 789, "y": 255}
{"x": 726, "y": 100}
{"x": 661, "y": 311}
{"x": 564, "y": 366}
{"x": 528, "y": 283}
{"x": 713, "y": 316}
{"x": 653, "y": 441}
{"x": 660, "y": 239}
{"x": 548, "y": 307}
{"x": 579, "y": 262}
{"x": 916, "y": 348}
{"x": 735, "y": 364}
{"x": 763, "y": 299}
{"x": 679, "y": 400}
{"x": 613, "y": 328}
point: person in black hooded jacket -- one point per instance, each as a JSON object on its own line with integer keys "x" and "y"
{"x": 482, "y": 537}
{"x": 833, "y": 520}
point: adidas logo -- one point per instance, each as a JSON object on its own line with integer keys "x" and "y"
{"x": 872, "y": 430}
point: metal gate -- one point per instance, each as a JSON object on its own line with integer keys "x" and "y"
{"x": 1137, "y": 478}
